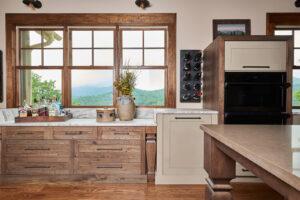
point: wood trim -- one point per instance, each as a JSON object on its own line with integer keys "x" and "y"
{"x": 57, "y": 19}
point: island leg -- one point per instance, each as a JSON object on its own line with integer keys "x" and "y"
{"x": 220, "y": 169}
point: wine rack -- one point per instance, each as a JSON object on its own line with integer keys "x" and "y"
{"x": 190, "y": 76}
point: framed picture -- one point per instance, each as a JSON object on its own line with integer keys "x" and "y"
{"x": 231, "y": 27}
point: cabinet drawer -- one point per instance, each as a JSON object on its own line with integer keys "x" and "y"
{"x": 37, "y": 165}
{"x": 189, "y": 118}
{"x": 25, "y": 133}
{"x": 54, "y": 148}
{"x": 123, "y": 133}
{"x": 75, "y": 133}
{"x": 96, "y": 167}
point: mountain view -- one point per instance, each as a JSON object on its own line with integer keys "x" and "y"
{"x": 103, "y": 96}
{"x": 296, "y": 88}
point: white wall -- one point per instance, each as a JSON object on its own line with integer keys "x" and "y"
{"x": 194, "y": 17}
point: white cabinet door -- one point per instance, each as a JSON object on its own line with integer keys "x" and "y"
{"x": 255, "y": 56}
{"x": 180, "y": 149}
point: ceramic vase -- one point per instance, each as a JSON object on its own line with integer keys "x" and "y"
{"x": 125, "y": 108}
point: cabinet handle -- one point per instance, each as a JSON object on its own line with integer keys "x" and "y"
{"x": 111, "y": 149}
{"x": 188, "y": 118}
{"x": 25, "y": 133}
{"x": 37, "y": 167}
{"x": 111, "y": 167}
{"x": 256, "y": 67}
{"x": 116, "y": 133}
{"x": 37, "y": 149}
{"x": 245, "y": 170}
{"x": 73, "y": 133}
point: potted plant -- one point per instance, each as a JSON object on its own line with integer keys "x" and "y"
{"x": 125, "y": 84}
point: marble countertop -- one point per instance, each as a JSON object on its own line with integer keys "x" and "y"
{"x": 85, "y": 122}
{"x": 184, "y": 111}
{"x": 275, "y": 148}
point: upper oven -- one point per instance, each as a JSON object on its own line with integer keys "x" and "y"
{"x": 255, "y": 97}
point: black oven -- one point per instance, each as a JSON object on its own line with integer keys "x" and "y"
{"x": 255, "y": 98}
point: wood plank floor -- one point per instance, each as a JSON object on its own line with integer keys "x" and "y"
{"x": 95, "y": 191}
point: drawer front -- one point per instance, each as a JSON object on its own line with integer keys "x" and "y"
{"x": 25, "y": 133}
{"x": 189, "y": 118}
{"x": 37, "y": 166}
{"x": 110, "y": 157}
{"x": 96, "y": 167}
{"x": 123, "y": 133}
{"x": 109, "y": 148}
{"x": 55, "y": 148}
{"x": 76, "y": 133}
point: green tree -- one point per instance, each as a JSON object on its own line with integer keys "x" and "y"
{"x": 43, "y": 88}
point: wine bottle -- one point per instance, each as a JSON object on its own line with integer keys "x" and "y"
{"x": 196, "y": 96}
{"x": 198, "y": 56}
{"x": 186, "y": 97}
{"x": 187, "y": 66}
{"x": 197, "y": 66}
{"x": 187, "y": 76}
{"x": 197, "y": 76}
{"x": 187, "y": 56}
{"x": 197, "y": 86}
{"x": 186, "y": 86}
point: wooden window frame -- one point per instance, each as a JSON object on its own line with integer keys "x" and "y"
{"x": 274, "y": 20}
{"x": 68, "y": 20}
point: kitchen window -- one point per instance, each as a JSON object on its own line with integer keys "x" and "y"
{"x": 295, "y": 32}
{"x": 78, "y": 63}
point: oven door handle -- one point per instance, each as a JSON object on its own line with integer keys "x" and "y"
{"x": 286, "y": 85}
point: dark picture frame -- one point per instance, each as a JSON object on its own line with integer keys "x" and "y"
{"x": 231, "y": 27}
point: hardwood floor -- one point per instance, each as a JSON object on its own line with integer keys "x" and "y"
{"x": 93, "y": 191}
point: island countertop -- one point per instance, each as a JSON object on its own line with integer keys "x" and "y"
{"x": 275, "y": 148}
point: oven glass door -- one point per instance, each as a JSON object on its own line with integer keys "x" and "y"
{"x": 256, "y": 97}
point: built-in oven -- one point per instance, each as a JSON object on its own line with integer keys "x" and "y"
{"x": 255, "y": 98}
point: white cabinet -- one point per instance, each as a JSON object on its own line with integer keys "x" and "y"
{"x": 180, "y": 148}
{"x": 255, "y": 56}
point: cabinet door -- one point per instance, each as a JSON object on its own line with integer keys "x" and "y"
{"x": 255, "y": 56}
{"x": 183, "y": 144}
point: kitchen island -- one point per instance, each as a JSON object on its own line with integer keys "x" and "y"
{"x": 272, "y": 152}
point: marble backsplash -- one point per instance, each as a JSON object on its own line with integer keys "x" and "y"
{"x": 78, "y": 113}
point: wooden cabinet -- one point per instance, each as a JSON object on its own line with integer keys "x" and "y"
{"x": 180, "y": 148}
{"x": 78, "y": 153}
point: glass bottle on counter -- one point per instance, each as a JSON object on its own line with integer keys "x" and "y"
{"x": 25, "y": 111}
{"x": 53, "y": 109}
{"x": 35, "y": 109}
{"x": 43, "y": 107}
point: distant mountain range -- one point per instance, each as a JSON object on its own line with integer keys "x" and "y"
{"x": 90, "y": 91}
{"x": 103, "y": 96}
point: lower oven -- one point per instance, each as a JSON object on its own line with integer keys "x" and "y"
{"x": 255, "y": 98}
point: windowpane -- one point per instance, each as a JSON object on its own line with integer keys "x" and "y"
{"x": 92, "y": 87}
{"x": 154, "y": 38}
{"x": 53, "y": 57}
{"x": 31, "y": 57}
{"x": 296, "y": 87}
{"x": 297, "y": 38}
{"x": 31, "y": 39}
{"x": 154, "y": 57}
{"x": 34, "y": 84}
{"x": 132, "y": 38}
{"x": 103, "y": 39}
{"x": 132, "y": 57}
{"x": 283, "y": 32}
{"x": 150, "y": 88}
{"x": 82, "y": 57}
{"x": 82, "y": 39}
{"x": 104, "y": 57}
{"x": 297, "y": 57}
{"x": 53, "y": 39}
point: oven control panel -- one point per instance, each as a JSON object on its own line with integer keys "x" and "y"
{"x": 190, "y": 76}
